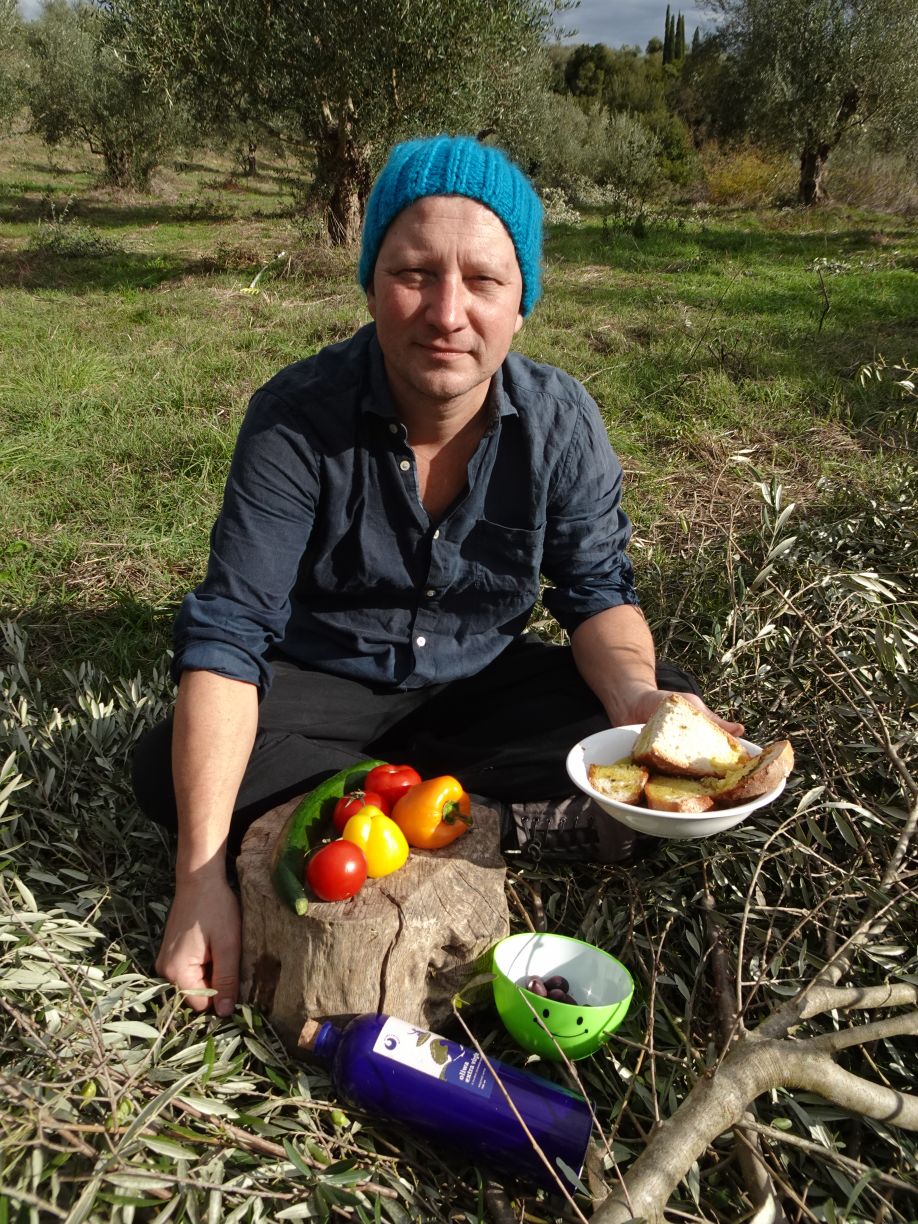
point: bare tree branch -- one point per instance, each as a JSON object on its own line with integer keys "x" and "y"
{"x": 860, "y": 1034}
{"x": 905, "y": 837}
{"x": 826, "y": 1153}
{"x": 821, "y": 1075}
{"x": 837, "y": 998}
{"x": 788, "y": 1015}
{"x": 748, "y": 1147}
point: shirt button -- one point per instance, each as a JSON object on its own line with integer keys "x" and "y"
{"x": 405, "y": 465}
{"x": 436, "y": 534}
{"x": 420, "y": 641}
{"x": 430, "y": 593}
{"x": 393, "y": 428}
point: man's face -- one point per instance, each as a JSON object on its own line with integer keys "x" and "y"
{"x": 446, "y": 299}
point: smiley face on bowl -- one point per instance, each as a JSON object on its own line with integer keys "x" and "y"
{"x": 551, "y": 1016}
{"x": 601, "y": 985}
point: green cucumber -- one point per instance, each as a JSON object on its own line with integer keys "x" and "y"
{"x": 298, "y": 835}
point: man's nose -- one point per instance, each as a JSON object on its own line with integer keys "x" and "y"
{"x": 445, "y": 307}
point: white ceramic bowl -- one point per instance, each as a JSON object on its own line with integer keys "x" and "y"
{"x": 607, "y": 747}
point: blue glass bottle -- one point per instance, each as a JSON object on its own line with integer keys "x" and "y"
{"x": 443, "y": 1090}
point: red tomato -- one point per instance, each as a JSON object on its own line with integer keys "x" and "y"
{"x": 391, "y": 781}
{"x": 337, "y": 871}
{"x": 349, "y": 805}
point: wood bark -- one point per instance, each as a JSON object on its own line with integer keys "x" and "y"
{"x": 342, "y": 167}
{"x": 403, "y": 946}
{"x": 815, "y": 152}
{"x": 812, "y": 164}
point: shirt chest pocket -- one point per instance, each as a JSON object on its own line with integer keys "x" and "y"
{"x": 499, "y": 558}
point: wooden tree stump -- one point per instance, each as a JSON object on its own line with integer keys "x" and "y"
{"x": 403, "y": 946}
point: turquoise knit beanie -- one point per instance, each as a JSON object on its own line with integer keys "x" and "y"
{"x": 457, "y": 165}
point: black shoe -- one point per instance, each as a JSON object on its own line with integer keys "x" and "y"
{"x": 570, "y": 830}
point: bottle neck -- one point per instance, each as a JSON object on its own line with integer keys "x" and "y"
{"x": 326, "y": 1042}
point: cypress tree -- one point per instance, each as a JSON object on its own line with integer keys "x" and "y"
{"x": 696, "y": 40}
{"x": 679, "y": 52}
{"x": 668, "y": 38}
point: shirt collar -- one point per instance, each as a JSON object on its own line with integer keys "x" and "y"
{"x": 377, "y": 399}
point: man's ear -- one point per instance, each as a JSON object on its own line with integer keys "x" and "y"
{"x": 518, "y": 324}
{"x": 371, "y": 300}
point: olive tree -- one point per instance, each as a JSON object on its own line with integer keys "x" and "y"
{"x": 341, "y": 82}
{"x": 82, "y": 86}
{"x": 11, "y": 66}
{"x": 814, "y": 69}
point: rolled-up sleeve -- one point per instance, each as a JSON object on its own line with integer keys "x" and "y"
{"x": 587, "y": 531}
{"x": 257, "y": 543}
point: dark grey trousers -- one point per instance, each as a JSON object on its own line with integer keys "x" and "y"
{"x": 504, "y": 733}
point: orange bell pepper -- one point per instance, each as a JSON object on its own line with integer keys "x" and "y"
{"x": 433, "y": 813}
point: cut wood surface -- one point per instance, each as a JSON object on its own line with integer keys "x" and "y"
{"x": 403, "y": 946}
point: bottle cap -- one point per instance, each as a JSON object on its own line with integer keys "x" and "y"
{"x": 306, "y": 1041}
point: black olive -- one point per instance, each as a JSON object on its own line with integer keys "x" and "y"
{"x": 561, "y": 996}
{"x": 557, "y": 983}
{"x": 536, "y": 986}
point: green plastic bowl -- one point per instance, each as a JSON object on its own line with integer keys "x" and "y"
{"x": 601, "y": 985}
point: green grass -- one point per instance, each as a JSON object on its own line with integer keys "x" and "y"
{"x": 127, "y": 372}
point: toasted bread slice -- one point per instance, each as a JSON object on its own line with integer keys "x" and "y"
{"x": 683, "y": 741}
{"x": 758, "y": 776}
{"x": 623, "y": 781}
{"x": 677, "y": 795}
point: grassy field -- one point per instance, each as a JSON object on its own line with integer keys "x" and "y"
{"x": 130, "y": 352}
{"x": 773, "y": 497}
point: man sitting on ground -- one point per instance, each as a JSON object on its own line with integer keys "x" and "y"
{"x": 392, "y": 504}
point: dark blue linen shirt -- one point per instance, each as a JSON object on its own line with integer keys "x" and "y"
{"x": 324, "y": 550}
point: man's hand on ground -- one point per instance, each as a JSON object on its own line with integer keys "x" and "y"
{"x": 643, "y": 706}
{"x": 201, "y": 944}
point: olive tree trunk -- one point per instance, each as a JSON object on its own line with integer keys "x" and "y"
{"x": 343, "y": 174}
{"x": 811, "y": 189}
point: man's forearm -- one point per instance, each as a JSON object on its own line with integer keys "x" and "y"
{"x": 614, "y": 653}
{"x": 214, "y": 730}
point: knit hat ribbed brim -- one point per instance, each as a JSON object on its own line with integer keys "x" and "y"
{"x": 457, "y": 165}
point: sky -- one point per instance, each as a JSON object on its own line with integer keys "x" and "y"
{"x": 614, "y": 22}
{"x": 632, "y": 22}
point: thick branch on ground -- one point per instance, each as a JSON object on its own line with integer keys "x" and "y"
{"x": 818, "y": 1073}
{"x": 847, "y": 998}
{"x": 878, "y": 1030}
{"x": 719, "y": 1102}
{"x": 751, "y": 1161}
{"x": 816, "y": 1000}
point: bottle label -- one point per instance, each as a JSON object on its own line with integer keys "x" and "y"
{"x": 434, "y": 1056}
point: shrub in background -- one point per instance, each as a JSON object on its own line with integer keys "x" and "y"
{"x": 586, "y": 154}
{"x": 677, "y": 158}
{"x": 62, "y": 236}
{"x": 745, "y": 176}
